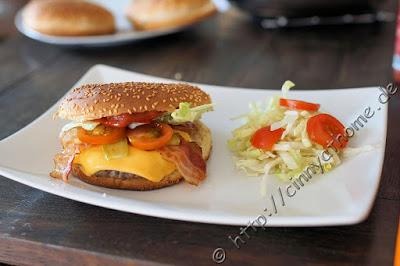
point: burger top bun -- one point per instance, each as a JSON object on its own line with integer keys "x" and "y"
{"x": 94, "y": 101}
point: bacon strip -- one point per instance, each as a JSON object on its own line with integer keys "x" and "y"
{"x": 62, "y": 165}
{"x": 187, "y": 127}
{"x": 63, "y": 160}
{"x": 188, "y": 159}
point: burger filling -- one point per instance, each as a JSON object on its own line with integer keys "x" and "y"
{"x": 149, "y": 144}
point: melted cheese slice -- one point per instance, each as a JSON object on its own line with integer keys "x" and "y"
{"x": 147, "y": 164}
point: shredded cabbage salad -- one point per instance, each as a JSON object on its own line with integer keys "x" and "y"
{"x": 291, "y": 155}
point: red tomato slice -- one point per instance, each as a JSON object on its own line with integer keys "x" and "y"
{"x": 299, "y": 105}
{"x": 145, "y": 117}
{"x": 326, "y": 130}
{"x": 123, "y": 120}
{"x": 150, "y": 136}
{"x": 265, "y": 139}
{"x": 101, "y": 135}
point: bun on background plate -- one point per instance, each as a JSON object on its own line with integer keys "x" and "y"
{"x": 68, "y": 18}
{"x": 156, "y": 14}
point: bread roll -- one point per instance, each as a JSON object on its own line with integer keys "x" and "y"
{"x": 68, "y": 18}
{"x": 160, "y": 14}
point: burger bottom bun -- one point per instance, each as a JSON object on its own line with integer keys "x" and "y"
{"x": 120, "y": 180}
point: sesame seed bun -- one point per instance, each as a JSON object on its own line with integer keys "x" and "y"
{"x": 68, "y": 18}
{"x": 94, "y": 101}
{"x": 156, "y": 14}
{"x": 120, "y": 180}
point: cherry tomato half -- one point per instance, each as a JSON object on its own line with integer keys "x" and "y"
{"x": 299, "y": 105}
{"x": 150, "y": 136}
{"x": 101, "y": 135}
{"x": 327, "y": 131}
{"x": 265, "y": 138}
{"x": 123, "y": 120}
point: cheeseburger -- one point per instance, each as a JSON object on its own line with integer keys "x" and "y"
{"x": 136, "y": 136}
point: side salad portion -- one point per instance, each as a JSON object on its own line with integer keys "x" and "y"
{"x": 285, "y": 136}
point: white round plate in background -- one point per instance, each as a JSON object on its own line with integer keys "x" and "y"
{"x": 125, "y": 32}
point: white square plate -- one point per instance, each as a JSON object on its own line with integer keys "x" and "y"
{"x": 342, "y": 196}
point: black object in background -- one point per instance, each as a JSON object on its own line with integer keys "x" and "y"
{"x": 299, "y": 13}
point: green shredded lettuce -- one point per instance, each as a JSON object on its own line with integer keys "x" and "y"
{"x": 185, "y": 113}
{"x": 87, "y": 125}
{"x": 287, "y": 85}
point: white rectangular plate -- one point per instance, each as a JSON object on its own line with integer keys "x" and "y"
{"x": 342, "y": 196}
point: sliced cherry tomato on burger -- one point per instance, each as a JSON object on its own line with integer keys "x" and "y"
{"x": 327, "y": 131}
{"x": 150, "y": 136}
{"x": 123, "y": 120}
{"x": 101, "y": 135}
{"x": 299, "y": 105}
{"x": 145, "y": 117}
{"x": 265, "y": 138}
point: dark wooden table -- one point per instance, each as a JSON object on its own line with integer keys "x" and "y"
{"x": 39, "y": 228}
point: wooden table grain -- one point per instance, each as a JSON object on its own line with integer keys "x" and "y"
{"x": 39, "y": 228}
